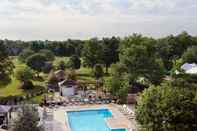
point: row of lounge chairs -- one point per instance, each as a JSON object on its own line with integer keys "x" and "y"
{"x": 127, "y": 112}
{"x": 78, "y": 101}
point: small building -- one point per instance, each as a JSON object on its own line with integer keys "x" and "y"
{"x": 67, "y": 87}
{"x": 5, "y": 114}
{"x": 60, "y": 74}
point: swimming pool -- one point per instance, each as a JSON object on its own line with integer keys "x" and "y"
{"x": 89, "y": 120}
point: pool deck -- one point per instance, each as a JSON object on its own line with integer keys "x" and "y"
{"x": 59, "y": 122}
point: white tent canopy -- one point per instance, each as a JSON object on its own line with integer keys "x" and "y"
{"x": 192, "y": 71}
{"x": 188, "y": 66}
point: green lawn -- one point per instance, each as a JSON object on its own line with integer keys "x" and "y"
{"x": 12, "y": 89}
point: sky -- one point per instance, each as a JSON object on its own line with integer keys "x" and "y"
{"x": 83, "y": 19}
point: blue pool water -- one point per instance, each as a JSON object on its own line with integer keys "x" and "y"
{"x": 89, "y": 120}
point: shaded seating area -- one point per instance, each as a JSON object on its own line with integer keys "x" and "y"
{"x": 81, "y": 98}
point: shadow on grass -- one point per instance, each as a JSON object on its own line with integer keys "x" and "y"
{"x": 4, "y": 82}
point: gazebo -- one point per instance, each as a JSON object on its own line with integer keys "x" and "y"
{"x": 5, "y": 114}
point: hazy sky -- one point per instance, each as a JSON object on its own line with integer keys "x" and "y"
{"x": 62, "y": 19}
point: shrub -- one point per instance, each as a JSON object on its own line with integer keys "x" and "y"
{"x": 24, "y": 74}
{"x": 26, "y": 85}
{"x": 75, "y": 62}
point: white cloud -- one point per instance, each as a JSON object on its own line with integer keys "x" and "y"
{"x": 61, "y": 19}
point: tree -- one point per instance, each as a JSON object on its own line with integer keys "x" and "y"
{"x": 141, "y": 62}
{"x": 168, "y": 108}
{"x": 119, "y": 83}
{"x": 173, "y": 47}
{"x": 24, "y": 74}
{"x": 92, "y": 52}
{"x": 48, "y": 54}
{"x": 190, "y": 55}
{"x": 75, "y": 62}
{"x": 27, "y": 120}
{"x": 6, "y": 65}
{"x": 37, "y": 62}
{"x": 110, "y": 51}
{"x": 23, "y": 56}
{"x": 98, "y": 71}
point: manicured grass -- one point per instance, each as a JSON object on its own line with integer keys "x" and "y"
{"x": 58, "y": 59}
{"x": 12, "y": 89}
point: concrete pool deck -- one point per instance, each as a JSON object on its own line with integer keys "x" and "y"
{"x": 59, "y": 120}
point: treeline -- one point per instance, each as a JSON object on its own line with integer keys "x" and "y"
{"x": 106, "y": 50}
{"x": 59, "y": 48}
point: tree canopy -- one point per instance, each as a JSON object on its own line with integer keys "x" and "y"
{"x": 27, "y": 120}
{"x": 23, "y": 56}
{"x": 110, "y": 48}
{"x": 92, "y": 52}
{"x": 24, "y": 74}
{"x": 190, "y": 55}
{"x": 48, "y": 54}
{"x": 37, "y": 62}
{"x": 6, "y": 65}
{"x": 168, "y": 108}
{"x": 142, "y": 62}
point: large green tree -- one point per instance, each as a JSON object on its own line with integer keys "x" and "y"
{"x": 190, "y": 55}
{"x": 169, "y": 107}
{"x": 92, "y": 52}
{"x": 37, "y": 62}
{"x": 118, "y": 84}
{"x": 6, "y": 65}
{"x": 23, "y": 56}
{"x": 141, "y": 61}
{"x": 24, "y": 74}
{"x": 110, "y": 51}
{"x": 48, "y": 54}
{"x": 172, "y": 47}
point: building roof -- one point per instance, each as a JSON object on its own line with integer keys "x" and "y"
{"x": 4, "y": 109}
{"x": 67, "y": 82}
